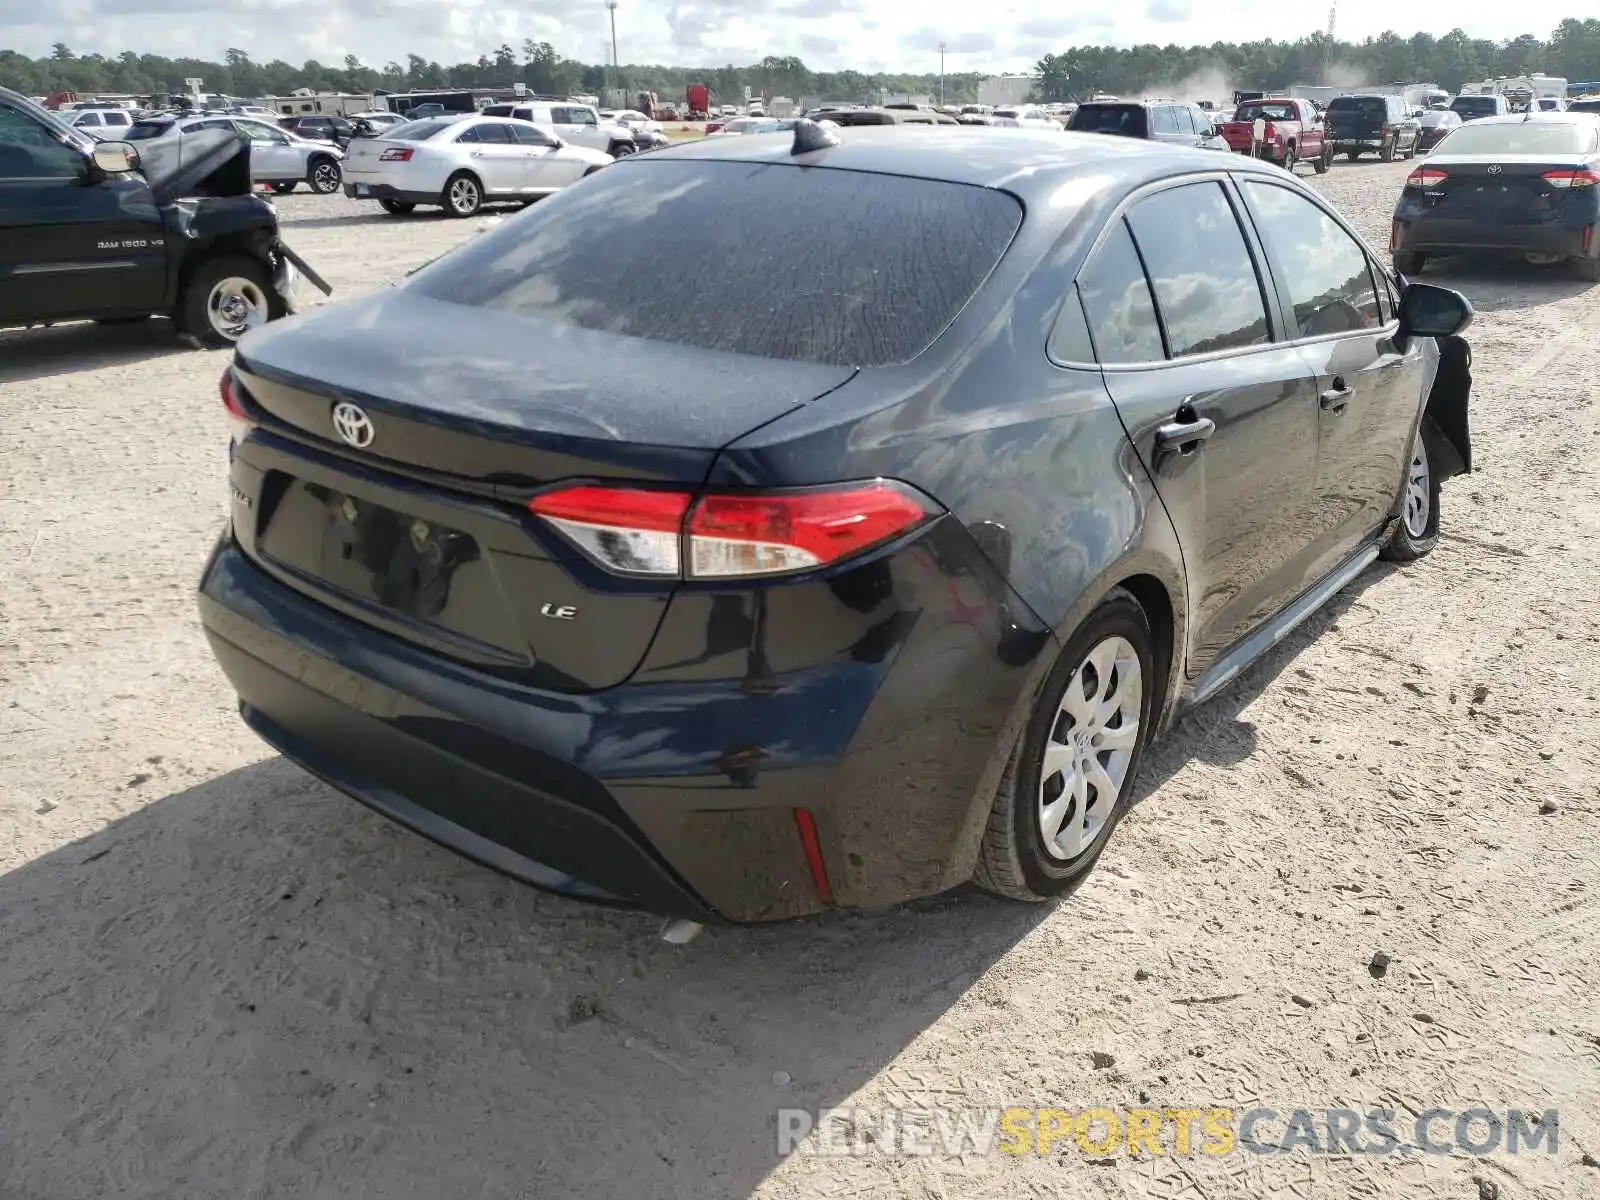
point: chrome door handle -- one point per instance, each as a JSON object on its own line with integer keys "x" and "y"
{"x": 1184, "y": 436}
{"x": 1337, "y": 398}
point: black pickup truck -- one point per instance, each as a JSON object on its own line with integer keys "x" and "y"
{"x": 112, "y": 232}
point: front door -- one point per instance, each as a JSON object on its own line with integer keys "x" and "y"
{"x": 1342, "y": 316}
{"x": 548, "y": 171}
{"x": 1223, "y": 414}
{"x": 272, "y": 158}
{"x": 72, "y": 242}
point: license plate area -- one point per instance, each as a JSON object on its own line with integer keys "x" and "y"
{"x": 362, "y": 189}
{"x": 354, "y": 545}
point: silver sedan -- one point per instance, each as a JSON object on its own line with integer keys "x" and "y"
{"x": 463, "y": 163}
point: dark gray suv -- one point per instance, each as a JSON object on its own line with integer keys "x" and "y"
{"x": 1038, "y": 440}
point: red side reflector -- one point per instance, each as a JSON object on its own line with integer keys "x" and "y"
{"x": 398, "y": 154}
{"x": 1426, "y": 177}
{"x": 812, "y": 845}
{"x": 231, "y": 400}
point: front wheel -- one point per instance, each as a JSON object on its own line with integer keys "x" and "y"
{"x": 463, "y": 196}
{"x": 225, "y": 298}
{"x": 325, "y": 176}
{"x": 285, "y": 187}
{"x": 1409, "y": 262}
{"x": 1071, "y": 772}
{"x": 622, "y": 149}
{"x": 1352, "y": 155}
{"x": 1417, "y": 532}
{"x": 1323, "y": 162}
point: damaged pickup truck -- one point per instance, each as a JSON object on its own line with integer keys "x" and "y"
{"x": 110, "y": 232}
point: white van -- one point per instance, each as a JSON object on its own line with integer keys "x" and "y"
{"x": 579, "y": 124}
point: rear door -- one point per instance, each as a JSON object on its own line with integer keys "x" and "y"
{"x": 70, "y": 247}
{"x": 1224, "y": 416}
{"x": 496, "y": 156}
{"x": 1339, "y": 312}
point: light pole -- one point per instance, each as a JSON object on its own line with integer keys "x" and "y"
{"x": 616, "y": 65}
{"x": 941, "y": 74}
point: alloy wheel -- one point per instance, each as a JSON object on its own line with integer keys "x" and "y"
{"x": 464, "y": 196}
{"x": 325, "y": 178}
{"x": 236, "y": 306}
{"x": 1090, "y": 748}
{"x": 1419, "y": 492}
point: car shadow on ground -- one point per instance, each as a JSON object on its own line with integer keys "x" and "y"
{"x": 1493, "y": 285}
{"x": 28, "y": 354}
{"x": 1217, "y": 733}
{"x": 379, "y": 217}
{"x": 255, "y": 986}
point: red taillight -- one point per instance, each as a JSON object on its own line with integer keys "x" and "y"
{"x": 1426, "y": 177}
{"x": 1394, "y": 235}
{"x": 714, "y": 127}
{"x": 1571, "y": 178}
{"x": 231, "y": 400}
{"x": 398, "y": 154}
{"x": 812, "y": 845}
{"x": 728, "y": 535}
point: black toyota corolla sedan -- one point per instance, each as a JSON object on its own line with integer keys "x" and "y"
{"x": 1020, "y": 445}
{"x": 1524, "y": 185}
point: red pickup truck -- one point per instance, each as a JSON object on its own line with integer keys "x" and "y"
{"x": 1292, "y": 132}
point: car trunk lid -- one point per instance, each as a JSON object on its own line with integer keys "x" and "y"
{"x": 423, "y": 529}
{"x": 1502, "y": 189}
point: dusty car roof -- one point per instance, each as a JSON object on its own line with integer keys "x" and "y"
{"x": 1025, "y": 162}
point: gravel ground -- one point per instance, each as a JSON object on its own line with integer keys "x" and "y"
{"x": 220, "y": 978}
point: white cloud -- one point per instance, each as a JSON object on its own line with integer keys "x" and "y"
{"x": 826, "y": 34}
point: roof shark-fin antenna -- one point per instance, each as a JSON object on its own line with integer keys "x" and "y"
{"x": 809, "y": 136}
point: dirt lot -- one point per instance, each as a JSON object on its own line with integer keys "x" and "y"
{"x": 219, "y": 978}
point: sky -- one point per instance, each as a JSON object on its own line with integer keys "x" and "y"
{"x": 888, "y": 35}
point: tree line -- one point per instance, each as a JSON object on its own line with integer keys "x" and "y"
{"x": 1192, "y": 72}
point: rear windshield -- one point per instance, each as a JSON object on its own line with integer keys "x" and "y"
{"x": 1366, "y": 105}
{"x": 1109, "y": 118}
{"x": 140, "y": 130}
{"x": 1267, "y": 112}
{"x": 1474, "y": 104}
{"x": 415, "y": 131}
{"x": 1558, "y": 139}
{"x": 840, "y": 267}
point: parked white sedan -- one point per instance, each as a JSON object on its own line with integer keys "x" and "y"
{"x": 1024, "y": 116}
{"x": 463, "y": 163}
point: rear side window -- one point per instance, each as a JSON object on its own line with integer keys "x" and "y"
{"x": 1205, "y": 283}
{"x": 1163, "y": 119}
{"x": 841, "y": 267}
{"x": 1326, "y": 271}
{"x": 1116, "y": 300}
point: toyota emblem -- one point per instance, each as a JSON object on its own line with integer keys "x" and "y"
{"x": 353, "y": 425}
{"x": 1495, "y": 170}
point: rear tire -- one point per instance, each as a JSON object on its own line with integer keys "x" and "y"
{"x": 1390, "y": 149}
{"x": 1323, "y": 161}
{"x": 1409, "y": 262}
{"x": 397, "y": 208}
{"x": 1418, "y": 531}
{"x": 225, "y": 298}
{"x": 622, "y": 149}
{"x": 283, "y": 189}
{"x": 1014, "y": 860}
{"x": 1588, "y": 269}
{"x": 462, "y": 195}
{"x": 1288, "y": 159}
{"x": 1352, "y": 155}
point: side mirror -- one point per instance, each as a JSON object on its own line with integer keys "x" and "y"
{"x": 115, "y": 158}
{"x": 1432, "y": 311}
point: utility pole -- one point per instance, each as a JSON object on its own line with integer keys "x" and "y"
{"x": 616, "y": 63}
{"x": 941, "y": 74}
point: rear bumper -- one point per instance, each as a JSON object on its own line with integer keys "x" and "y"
{"x": 677, "y": 796}
{"x": 1355, "y": 143}
{"x": 1441, "y": 235}
{"x": 364, "y": 190}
